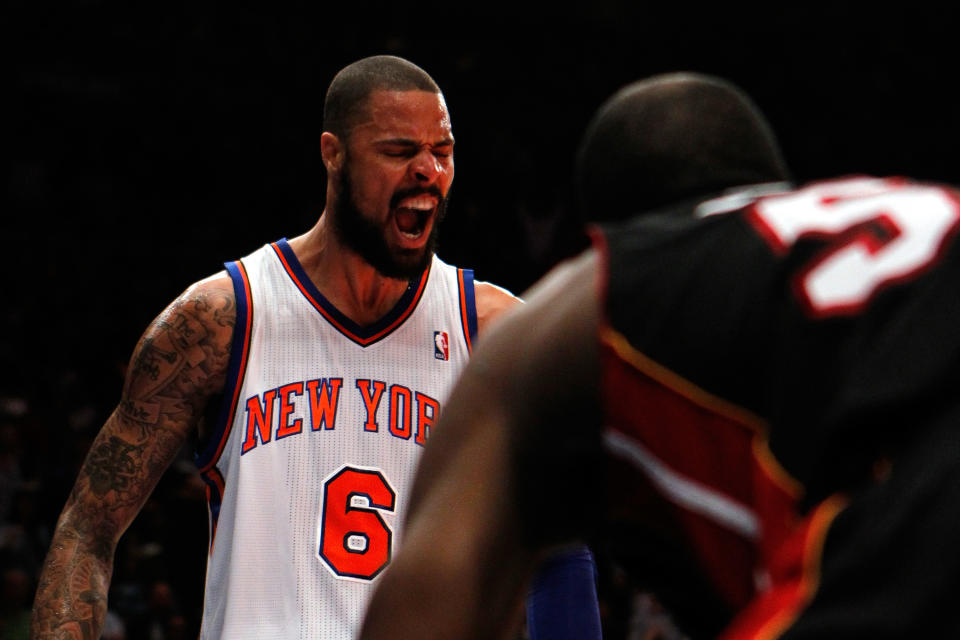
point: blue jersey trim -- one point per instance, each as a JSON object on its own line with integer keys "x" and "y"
{"x": 236, "y": 368}
{"x": 215, "y": 489}
{"x": 469, "y": 306}
{"x": 362, "y": 335}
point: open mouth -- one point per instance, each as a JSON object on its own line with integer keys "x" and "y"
{"x": 411, "y": 222}
{"x": 412, "y": 215}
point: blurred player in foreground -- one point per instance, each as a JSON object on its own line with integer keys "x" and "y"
{"x": 748, "y": 392}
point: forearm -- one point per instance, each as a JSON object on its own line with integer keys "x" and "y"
{"x": 71, "y": 600}
{"x": 461, "y": 547}
{"x": 119, "y": 473}
{"x": 478, "y": 581}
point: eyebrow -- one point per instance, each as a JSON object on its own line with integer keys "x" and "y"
{"x": 406, "y": 142}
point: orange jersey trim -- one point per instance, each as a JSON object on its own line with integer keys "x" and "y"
{"x": 775, "y": 611}
{"x": 468, "y": 320}
{"x": 240, "y": 366}
{"x": 215, "y": 482}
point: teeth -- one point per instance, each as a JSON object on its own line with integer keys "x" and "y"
{"x": 420, "y": 203}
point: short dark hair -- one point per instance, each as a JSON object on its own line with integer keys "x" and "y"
{"x": 352, "y": 85}
{"x": 669, "y": 138}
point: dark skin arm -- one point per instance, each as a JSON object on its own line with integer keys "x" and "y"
{"x": 475, "y": 529}
{"x": 177, "y": 366}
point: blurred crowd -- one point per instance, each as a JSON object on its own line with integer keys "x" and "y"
{"x": 158, "y": 575}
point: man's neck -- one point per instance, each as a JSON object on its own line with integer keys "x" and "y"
{"x": 344, "y": 278}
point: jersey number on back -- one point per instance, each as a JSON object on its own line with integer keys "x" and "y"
{"x": 877, "y": 232}
{"x": 354, "y": 539}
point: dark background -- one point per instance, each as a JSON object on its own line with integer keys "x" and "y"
{"x": 145, "y": 144}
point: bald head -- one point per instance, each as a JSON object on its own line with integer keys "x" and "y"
{"x": 345, "y": 102}
{"x": 669, "y": 138}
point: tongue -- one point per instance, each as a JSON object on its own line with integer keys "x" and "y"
{"x": 408, "y": 220}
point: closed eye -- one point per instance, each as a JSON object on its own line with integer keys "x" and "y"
{"x": 408, "y": 149}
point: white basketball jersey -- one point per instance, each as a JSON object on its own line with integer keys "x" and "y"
{"x": 322, "y": 427}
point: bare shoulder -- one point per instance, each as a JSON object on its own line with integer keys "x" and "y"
{"x": 212, "y": 302}
{"x": 492, "y": 302}
{"x": 555, "y": 329}
{"x": 182, "y": 357}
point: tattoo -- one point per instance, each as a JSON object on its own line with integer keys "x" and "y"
{"x": 139, "y": 412}
{"x": 178, "y": 365}
{"x": 184, "y": 354}
{"x": 225, "y": 315}
{"x": 184, "y": 335}
{"x": 75, "y": 578}
{"x": 148, "y": 360}
{"x": 111, "y": 466}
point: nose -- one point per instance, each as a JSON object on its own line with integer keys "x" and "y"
{"x": 426, "y": 167}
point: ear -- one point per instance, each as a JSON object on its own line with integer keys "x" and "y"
{"x": 332, "y": 152}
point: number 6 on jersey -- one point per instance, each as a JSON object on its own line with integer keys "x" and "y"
{"x": 353, "y": 538}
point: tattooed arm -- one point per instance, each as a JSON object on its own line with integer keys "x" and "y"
{"x": 179, "y": 363}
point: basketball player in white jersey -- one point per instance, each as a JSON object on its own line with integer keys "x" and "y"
{"x": 312, "y": 371}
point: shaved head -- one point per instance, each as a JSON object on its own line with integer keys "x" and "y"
{"x": 345, "y": 102}
{"x": 669, "y": 138}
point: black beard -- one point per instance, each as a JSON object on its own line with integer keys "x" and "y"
{"x": 368, "y": 240}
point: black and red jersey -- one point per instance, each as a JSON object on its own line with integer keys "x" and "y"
{"x": 765, "y": 352}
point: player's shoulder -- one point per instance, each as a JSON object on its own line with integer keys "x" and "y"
{"x": 207, "y": 309}
{"x": 494, "y": 296}
{"x": 187, "y": 347}
{"x": 492, "y": 302}
{"x": 213, "y": 292}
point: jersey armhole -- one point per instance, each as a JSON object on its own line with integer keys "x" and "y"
{"x": 236, "y": 368}
{"x": 468, "y": 307}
